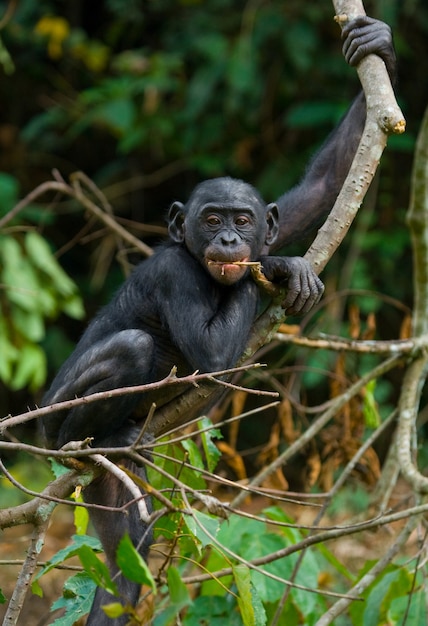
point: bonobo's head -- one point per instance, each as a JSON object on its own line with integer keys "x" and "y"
{"x": 224, "y": 222}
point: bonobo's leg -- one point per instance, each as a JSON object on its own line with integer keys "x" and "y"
{"x": 112, "y": 525}
{"x": 120, "y": 360}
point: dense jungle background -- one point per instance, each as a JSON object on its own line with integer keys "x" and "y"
{"x": 147, "y": 99}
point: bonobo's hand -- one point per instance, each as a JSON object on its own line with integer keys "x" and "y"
{"x": 364, "y": 36}
{"x": 296, "y": 274}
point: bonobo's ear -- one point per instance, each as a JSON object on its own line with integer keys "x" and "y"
{"x": 272, "y": 218}
{"x": 176, "y": 222}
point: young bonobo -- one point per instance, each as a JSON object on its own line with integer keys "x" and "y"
{"x": 188, "y": 305}
{"x": 192, "y": 305}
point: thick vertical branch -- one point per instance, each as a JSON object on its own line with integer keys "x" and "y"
{"x": 416, "y": 373}
{"x": 383, "y": 117}
{"x": 417, "y": 219}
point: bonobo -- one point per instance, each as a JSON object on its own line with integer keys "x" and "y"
{"x": 192, "y": 305}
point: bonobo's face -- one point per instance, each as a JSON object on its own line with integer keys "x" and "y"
{"x": 225, "y": 224}
{"x": 225, "y": 239}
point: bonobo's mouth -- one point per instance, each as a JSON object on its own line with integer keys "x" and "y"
{"x": 227, "y": 271}
{"x": 228, "y": 265}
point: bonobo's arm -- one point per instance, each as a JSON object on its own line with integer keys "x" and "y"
{"x": 305, "y": 206}
{"x": 304, "y": 288}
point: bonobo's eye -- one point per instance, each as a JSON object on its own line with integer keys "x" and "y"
{"x": 242, "y": 220}
{"x": 213, "y": 220}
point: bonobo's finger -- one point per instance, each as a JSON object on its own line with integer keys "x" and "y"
{"x": 303, "y": 296}
{"x": 358, "y": 47}
{"x": 364, "y": 36}
{"x": 298, "y": 292}
{"x": 316, "y": 292}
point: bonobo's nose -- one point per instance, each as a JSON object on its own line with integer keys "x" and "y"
{"x": 229, "y": 238}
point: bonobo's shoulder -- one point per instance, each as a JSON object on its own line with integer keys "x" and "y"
{"x": 168, "y": 257}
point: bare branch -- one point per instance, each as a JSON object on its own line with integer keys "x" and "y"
{"x": 341, "y": 605}
{"x": 383, "y": 117}
{"x": 416, "y": 373}
{"x": 338, "y": 344}
{"x": 75, "y": 191}
{"x": 171, "y": 379}
{"x": 42, "y": 506}
{"x": 316, "y": 426}
{"x": 127, "y": 482}
{"x": 28, "y": 568}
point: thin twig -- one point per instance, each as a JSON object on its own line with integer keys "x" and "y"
{"x": 123, "y": 477}
{"x": 28, "y": 568}
{"x": 341, "y": 605}
{"x": 338, "y": 344}
{"x": 171, "y": 379}
{"x": 316, "y": 426}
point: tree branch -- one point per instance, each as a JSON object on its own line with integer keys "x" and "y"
{"x": 319, "y": 424}
{"x": 75, "y": 191}
{"x": 383, "y": 116}
{"x": 416, "y": 373}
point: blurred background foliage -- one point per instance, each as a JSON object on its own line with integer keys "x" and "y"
{"x": 148, "y": 98}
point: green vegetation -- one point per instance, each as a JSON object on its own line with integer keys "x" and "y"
{"x": 147, "y": 99}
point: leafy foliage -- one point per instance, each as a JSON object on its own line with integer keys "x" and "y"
{"x": 34, "y": 288}
{"x": 249, "y": 594}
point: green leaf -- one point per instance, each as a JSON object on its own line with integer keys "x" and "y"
{"x": 29, "y": 323}
{"x": 171, "y": 465}
{"x": 18, "y": 275}
{"x": 31, "y": 368}
{"x": 178, "y": 600}
{"x": 73, "y": 307}
{"x": 252, "y": 611}
{"x": 208, "y": 522}
{"x": 114, "y": 610}
{"x": 213, "y": 610}
{"x": 96, "y": 569}
{"x": 177, "y": 589}
{"x": 120, "y": 115}
{"x": 370, "y": 408}
{"x": 58, "y": 469}
{"x": 212, "y": 453}
{"x": 256, "y": 546}
{"x": 194, "y": 453}
{"x": 41, "y": 256}
{"x": 394, "y": 583}
{"x": 77, "y": 599}
{"x": 9, "y": 354}
{"x": 417, "y": 615}
{"x": 69, "y": 551}
{"x": 81, "y": 516}
{"x": 133, "y": 565}
{"x": 9, "y": 190}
